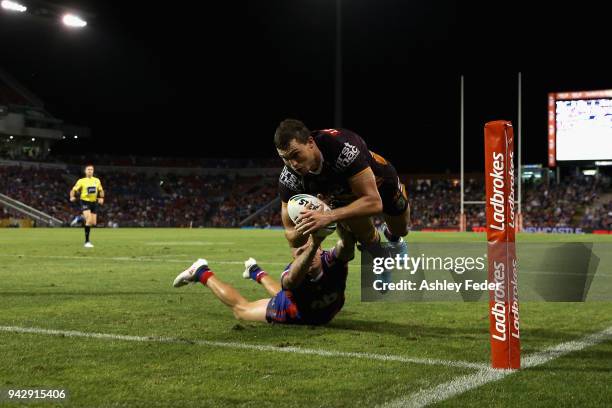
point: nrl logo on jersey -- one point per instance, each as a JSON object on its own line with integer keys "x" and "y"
{"x": 347, "y": 156}
{"x": 290, "y": 180}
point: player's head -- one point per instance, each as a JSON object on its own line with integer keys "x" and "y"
{"x": 315, "y": 266}
{"x": 296, "y": 146}
{"x": 89, "y": 170}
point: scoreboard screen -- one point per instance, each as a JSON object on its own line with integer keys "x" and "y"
{"x": 579, "y": 126}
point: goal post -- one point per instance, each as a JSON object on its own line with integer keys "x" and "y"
{"x": 463, "y": 221}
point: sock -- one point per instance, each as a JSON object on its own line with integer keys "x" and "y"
{"x": 87, "y": 229}
{"x": 256, "y": 273}
{"x": 389, "y": 235}
{"x": 203, "y": 273}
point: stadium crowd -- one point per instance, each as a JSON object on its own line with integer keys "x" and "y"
{"x": 151, "y": 199}
{"x": 140, "y": 199}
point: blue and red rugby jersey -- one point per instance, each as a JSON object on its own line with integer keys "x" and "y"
{"x": 315, "y": 300}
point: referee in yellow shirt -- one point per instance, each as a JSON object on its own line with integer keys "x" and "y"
{"x": 91, "y": 194}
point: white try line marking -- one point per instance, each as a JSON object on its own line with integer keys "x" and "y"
{"x": 245, "y": 346}
{"x": 487, "y": 375}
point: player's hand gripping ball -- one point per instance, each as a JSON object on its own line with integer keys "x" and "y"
{"x": 305, "y": 202}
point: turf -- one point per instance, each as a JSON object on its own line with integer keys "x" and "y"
{"x": 123, "y": 286}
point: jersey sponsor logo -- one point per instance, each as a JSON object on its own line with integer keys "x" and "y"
{"x": 91, "y": 190}
{"x": 347, "y": 156}
{"x": 290, "y": 180}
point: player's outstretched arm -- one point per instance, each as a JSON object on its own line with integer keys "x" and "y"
{"x": 302, "y": 263}
{"x": 294, "y": 237}
{"x": 368, "y": 203}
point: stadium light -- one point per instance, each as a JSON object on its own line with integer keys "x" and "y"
{"x": 76, "y": 136}
{"x": 72, "y": 20}
{"x": 13, "y": 6}
{"x": 11, "y": 137}
{"x": 33, "y": 139}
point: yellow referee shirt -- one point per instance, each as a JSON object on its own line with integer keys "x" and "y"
{"x": 89, "y": 187}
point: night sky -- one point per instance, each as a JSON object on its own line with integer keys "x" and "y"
{"x": 214, "y": 81}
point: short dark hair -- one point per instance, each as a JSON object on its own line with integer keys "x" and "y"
{"x": 288, "y": 130}
{"x": 88, "y": 165}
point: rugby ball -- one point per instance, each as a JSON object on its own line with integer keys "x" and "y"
{"x": 305, "y": 202}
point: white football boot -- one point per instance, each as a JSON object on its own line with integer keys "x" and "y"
{"x": 247, "y": 265}
{"x": 88, "y": 245}
{"x": 188, "y": 275}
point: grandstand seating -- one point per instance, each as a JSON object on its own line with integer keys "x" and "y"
{"x": 141, "y": 199}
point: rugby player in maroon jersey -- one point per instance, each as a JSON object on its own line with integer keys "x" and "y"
{"x": 357, "y": 183}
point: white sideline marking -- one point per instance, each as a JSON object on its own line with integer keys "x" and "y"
{"x": 487, "y": 375}
{"x": 187, "y": 243}
{"x": 136, "y": 259}
{"x": 245, "y": 346}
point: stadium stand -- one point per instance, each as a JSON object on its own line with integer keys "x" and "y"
{"x": 182, "y": 200}
{"x": 143, "y": 200}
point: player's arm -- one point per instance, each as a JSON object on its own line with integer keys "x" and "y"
{"x": 368, "y": 203}
{"x": 368, "y": 200}
{"x": 294, "y": 237}
{"x": 77, "y": 187}
{"x": 100, "y": 195}
{"x": 300, "y": 266}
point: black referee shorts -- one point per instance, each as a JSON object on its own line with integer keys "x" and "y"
{"x": 89, "y": 205}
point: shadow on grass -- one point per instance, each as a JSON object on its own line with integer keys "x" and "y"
{"x": 406, "y": 330}
{"x": 410, "y": 331}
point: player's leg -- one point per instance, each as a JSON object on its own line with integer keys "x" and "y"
{"x": 251, "y": 311}
{"x": 271, "y": 285}
{"x": 396, "y": 213}
{"x": 364, "y": 230}
{"x": 254, "y": 272}
{"x": 370, "y": 240}
{"x": 87, "y": 225}
{"x": 396, "y": 210}
{"x": 226, "y": 293}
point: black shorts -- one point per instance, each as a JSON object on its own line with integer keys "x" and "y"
{"x": 393, "y": 195}
{"x": 89, "y": 206}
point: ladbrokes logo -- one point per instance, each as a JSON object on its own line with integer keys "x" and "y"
{"x": 497, "y": 200}
{"x": 511, "y": 190}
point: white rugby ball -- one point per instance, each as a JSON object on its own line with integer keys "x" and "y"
{"x": 305, "y": 202}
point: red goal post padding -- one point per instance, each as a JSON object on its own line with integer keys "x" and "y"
{"x": 504, "y": 333}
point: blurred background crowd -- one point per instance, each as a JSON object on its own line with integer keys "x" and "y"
{"x": 227, "y": 200}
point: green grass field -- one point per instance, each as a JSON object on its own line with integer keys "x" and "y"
{"x": 123, "y": 287}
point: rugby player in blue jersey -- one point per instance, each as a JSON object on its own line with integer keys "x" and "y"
{"x": 310, "y": 291}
